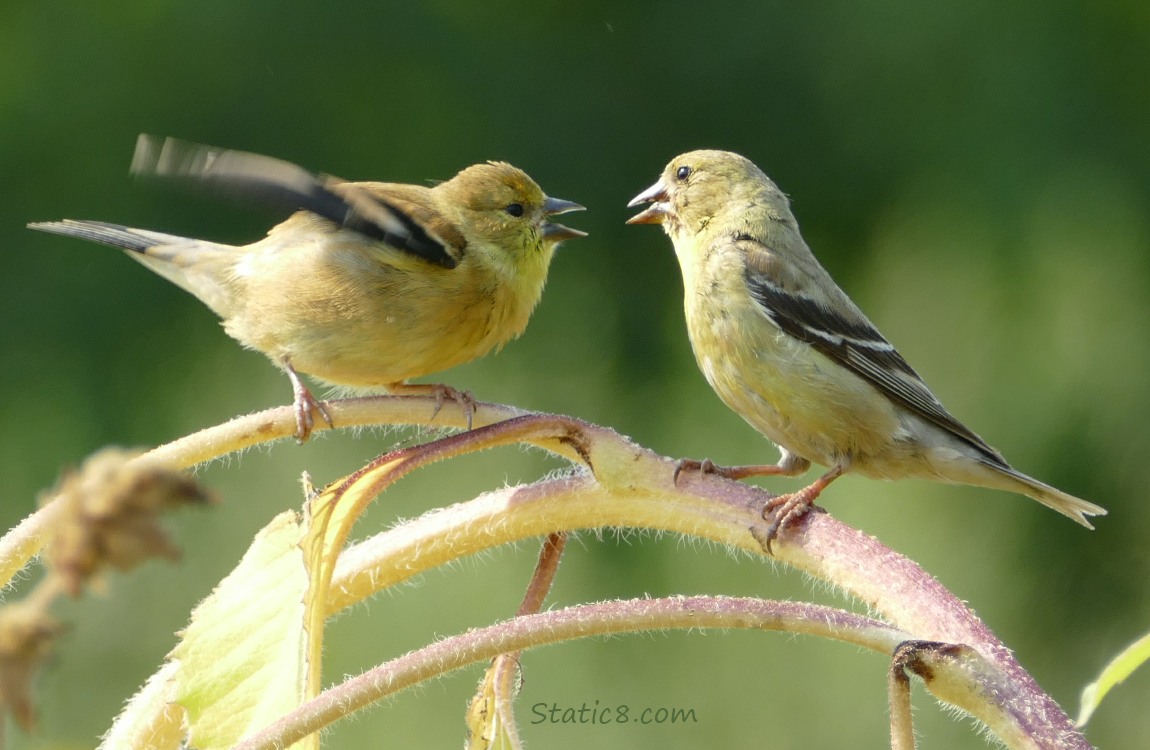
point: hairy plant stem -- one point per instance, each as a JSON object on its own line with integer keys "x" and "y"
{"x": 627, "y": 486}
{"x": 581, "y": 621}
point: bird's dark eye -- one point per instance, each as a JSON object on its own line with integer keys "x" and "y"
{"x": 683, "y": 173}
{"x": 515, "y": 209}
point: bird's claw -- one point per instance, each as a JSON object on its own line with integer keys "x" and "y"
{"x": 464, "y": 398}
{"x": 706, "y": 466}
{"x": 305, "y": 405}
{"x": 782, "y": 511}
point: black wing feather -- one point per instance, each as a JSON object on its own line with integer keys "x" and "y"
{"x": 285, "y": 185}
{"x": 856, "y": 345}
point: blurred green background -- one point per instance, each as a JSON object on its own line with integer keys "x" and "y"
{"x": 976, "y": 175}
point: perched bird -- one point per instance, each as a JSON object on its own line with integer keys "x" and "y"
{"x": 368, "y": 284}
{"x": 785, "y": 348}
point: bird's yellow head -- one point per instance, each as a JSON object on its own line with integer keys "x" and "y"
{"x": 697, "y": 186}
{"x": 506, "y": 209}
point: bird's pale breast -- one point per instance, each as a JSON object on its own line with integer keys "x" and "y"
{"x": 363, "y": 315}
{"x": 783, "y": 387}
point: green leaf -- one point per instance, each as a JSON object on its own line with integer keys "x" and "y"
{"x": 242, "y": 660}
{"x": 150, "y": 721}
{"x": 1132, "y": 657}
{"x": 490, "y": 717}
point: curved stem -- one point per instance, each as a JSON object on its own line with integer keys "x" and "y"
{"x": 1008, "y": 700}
{"x": 529, "y": 631}
{"x": 23, "y": 542}
{"x": 632, "y": 487}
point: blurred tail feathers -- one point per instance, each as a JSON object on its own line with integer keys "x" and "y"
{"x": 136, "y": 240}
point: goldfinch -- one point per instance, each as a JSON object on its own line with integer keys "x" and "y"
{"x": 367, "y": 284}
{"x": 787, "y": 350}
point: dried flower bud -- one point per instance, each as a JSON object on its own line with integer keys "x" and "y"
{"x": 111, "y": 515}
{"x": 26, "y": 634}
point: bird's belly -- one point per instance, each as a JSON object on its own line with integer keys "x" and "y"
{"x": 378, "y": 340}
{"x": 801, "y": 400}
{"x": 393, "y": 346}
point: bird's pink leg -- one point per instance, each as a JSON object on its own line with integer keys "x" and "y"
{"x": 305, "y": 404}
{"x": 785, "y": 509}
{"x": 789, "y": 465}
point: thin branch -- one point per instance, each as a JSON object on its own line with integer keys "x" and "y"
{"x": 544, "y": 575}
{"x": 24, "y": 541}
{"x": 491, "y": 715}
{"x": 279, "y": 422}
{"x": 567, "y": 624}
{"x": 898, "y": 698}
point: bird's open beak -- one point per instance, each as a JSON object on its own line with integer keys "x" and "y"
{"x": 556, "y": 206}
{"x": 657, "y": 196}
{"x": 558, "y": 232}
{"x": 553, "y": 232}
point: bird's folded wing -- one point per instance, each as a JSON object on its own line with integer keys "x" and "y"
{"x": 847, "y": 338}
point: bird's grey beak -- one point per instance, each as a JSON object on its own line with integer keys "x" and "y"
{"x": 657, "y": 196}
{"x": 553, "y": 232}
{"x": 557, "y": 232}
{"x": 556, "y": 206}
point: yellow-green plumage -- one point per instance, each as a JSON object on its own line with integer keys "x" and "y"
{"x": 351, "y": 308}
{"x": 786, "y": 349}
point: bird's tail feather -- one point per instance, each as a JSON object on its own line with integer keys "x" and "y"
{"x": 196, "y": 266}
{"x": 136, "y": 240}
{"x": 1068, "y": 505}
